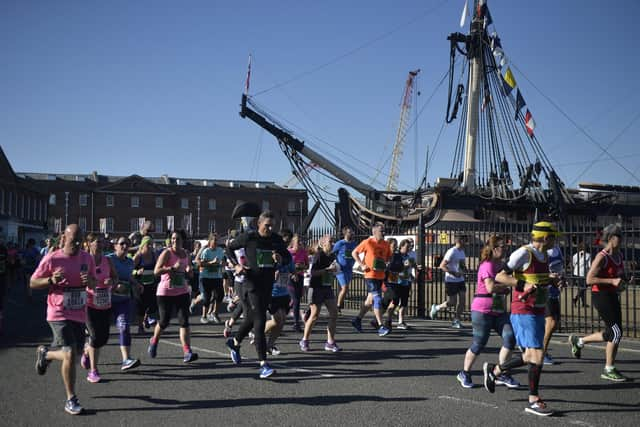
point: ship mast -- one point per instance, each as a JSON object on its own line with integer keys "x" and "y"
{"x": 473, "y": 103}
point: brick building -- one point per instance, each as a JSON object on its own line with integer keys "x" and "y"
{"x": 117, "y": 205}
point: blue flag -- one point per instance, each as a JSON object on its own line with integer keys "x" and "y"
{"x": 519, "y": 103}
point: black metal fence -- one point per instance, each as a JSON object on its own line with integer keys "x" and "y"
{"x": 577, "y": 315}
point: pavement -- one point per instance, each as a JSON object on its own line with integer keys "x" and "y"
{"x": 406, "y": 378}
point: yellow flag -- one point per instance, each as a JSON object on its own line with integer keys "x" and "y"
{"x": 508, "y": 77}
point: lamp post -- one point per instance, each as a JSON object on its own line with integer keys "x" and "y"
{"x": 198, "y": 218}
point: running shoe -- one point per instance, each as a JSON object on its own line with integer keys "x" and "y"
{"x": 576, "y": 350}
{"x": 538, "y": 408}
{"x": 489, "y": 377}
{"x": 332, "y": 347}
{"x": 252, "y": 337}
{"x": 507, "y": 380}
{"x": 231, "y": 306}
{"x": 204, "y": 320}
{"x": 613, "y": 375}
{"x": 129, "y": 364}
{"x": 274, "y": 351}
{"x": 190, "y": 356}
{"x": 433, "y": 312}
{"x": 402, "y": 326}
{"x": 383, "y": 331}
{"x": 304, "y": 345}
{"x": 151, "y": 321}
{"x": 93, "y": 377}
{"x": 145, "y": 324}
{"x": 72, "y": 406}
{"x": 226, "y": 299}
{"x": 266, "y": 371}
{"x": 234, "y": 351}
{"x": 215, "y": 318}
{"x": 227, "y": 329}
{"x": 41, "y": 360}
{"x": 84, "y": 361}
{"x": 356, "y": 322}
{"x": 456, "y": 324}
{"x": 152, "y": 349}
{"x": 548, "y": 360}
{"x": 464, "y": 378}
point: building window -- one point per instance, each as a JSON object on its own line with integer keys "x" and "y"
{"x": 109, "y": 225}
{"x": 159, "y": 224}
{"x": 52, "y": 199}
{"x": 133, "y": 224}
{"x": 265, "y": 205}
{"x": 184, "y": 203}
{"x": 159, "y": 202}
{"x": 212, "y": 204}
{"x": 109, "y": 200}
{"x": 83, "y": 199}
{"x": 292, "y": 206}
{"x": 82, "y": 223}
{"x": 135, "y": 201}
{"x": 212, "y": 226}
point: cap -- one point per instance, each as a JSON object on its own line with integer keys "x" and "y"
{"x": 544, "y": 229}
{"x": 243, "y": 208}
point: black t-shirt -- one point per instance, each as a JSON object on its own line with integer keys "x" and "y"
{"x": 322, "y": 261}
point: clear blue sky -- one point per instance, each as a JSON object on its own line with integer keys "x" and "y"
{"x": 153, "y": 87}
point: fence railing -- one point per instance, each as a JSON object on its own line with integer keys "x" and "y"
{"x": 578, "y": 315}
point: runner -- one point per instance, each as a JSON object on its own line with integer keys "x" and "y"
{"x": 391, "y": 294}
{"x": 173, "y": 267}
{"x": 66, "y": 273}
{"x": 300, "y": 257}
{"x": 98, "y": 307}
{"x": 453, "y": 266}
{"x": 488, "y": 312}
{"x": 194, "y": 280}
{"x": 552, "y": 311}
{"x": 122, "y": 299}
{"x": 210, "y": 260}
{"x": 406, "y": 277}
{"x": 280, "y": 300}
{"x": 323, "y": 269}
{"x": 581, "y": 262}
{"x": 343, "y": 250}
{"x": 256, "y": 254}
{"x": 528, "y": 272}
{"x": 144, "y": 262}
{"x": 371, "y": 256}
{"x": 607, "y": 279}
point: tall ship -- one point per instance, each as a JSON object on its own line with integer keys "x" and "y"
{"x": 499, "y": 169}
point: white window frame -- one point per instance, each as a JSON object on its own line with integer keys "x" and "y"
{"x": 184, "y": 203}
{"x": 135, "y": 201}
{"x": 212, "y": 204}
{"x": 110, "y": 201}
{"x": 83, "y": 199}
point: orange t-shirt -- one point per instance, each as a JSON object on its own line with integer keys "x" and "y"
{"x": 376, "y": 255}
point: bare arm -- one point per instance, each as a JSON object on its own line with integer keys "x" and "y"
{"x": 162, "y": 259}
{"x": 594, "y": 270}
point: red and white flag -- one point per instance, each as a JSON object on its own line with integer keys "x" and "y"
{"x": 529, "y": 123}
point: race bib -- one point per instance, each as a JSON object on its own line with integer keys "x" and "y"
{"x": 498, "y": 303}
{"x": 147, "y": 277}
{"x": 379, "y": 264}
{"x": 102, "y": 297}
{"x": 327, "y": 278}
{"x": 347, "y": 255}
{"x": 74, "y": 299}
{"x": 541, "y": 297}
{"x": 393, "y": 278}
{"x": 264, "y": 258}
{"x": 176, "y": 280}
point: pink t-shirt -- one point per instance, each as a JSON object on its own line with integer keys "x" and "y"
{"x": 100, "y": 297}
{"x": 66, "y": 300}
{"x": 494, "y": 304}
{"x": 300, "y": 259}
{"x": 175, "y": 283}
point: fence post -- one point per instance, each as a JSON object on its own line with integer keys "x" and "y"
{"x": 421, "y": 273}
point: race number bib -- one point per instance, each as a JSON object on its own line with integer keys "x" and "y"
{"x": 147, "y": 277}
{"x": 102, "y": 297}
{"x": 348, "y": 255}
{"x": 74, "y": 299}
{"x": 327, "y": 278}
{"x": 264, "y": 258}
{"x": 379, "y": 264}
{"x": 498, "y": 303}
{"x": 176, "y": 280}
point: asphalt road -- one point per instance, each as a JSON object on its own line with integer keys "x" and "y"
{"x": 406, "y": 378}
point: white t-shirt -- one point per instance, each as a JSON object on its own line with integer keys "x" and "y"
{"x": 454, "y": 258}
{"x": 519, "y": 259}
{"x": 581, "y": 262}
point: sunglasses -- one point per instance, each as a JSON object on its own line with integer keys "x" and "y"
{"x": 123, "y": 243}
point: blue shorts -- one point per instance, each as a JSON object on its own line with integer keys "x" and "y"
{"x": 344, "y": 277}
{"x": 374, "y": 286}
{"x": 529, "y": 330}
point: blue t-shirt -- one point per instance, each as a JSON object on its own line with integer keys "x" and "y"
{"x": 342, "y": 249}
{"x": 556, "y": 265}
{"x": 212, "y": 271}
{"x": 124, "y": 268}
{"x": 405, "y": 274}
{"x": 280, "y": 286}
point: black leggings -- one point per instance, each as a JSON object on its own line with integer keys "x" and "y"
{"x": 147, "y": 303}
{"x": 212, "y": 290}
{"x": 608, "y": 306}
{"x": 98, "y": 323}
{"x": 256, "y": 302}
{"x": 165, "y": 309}
{"x": 239, "y": 309}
